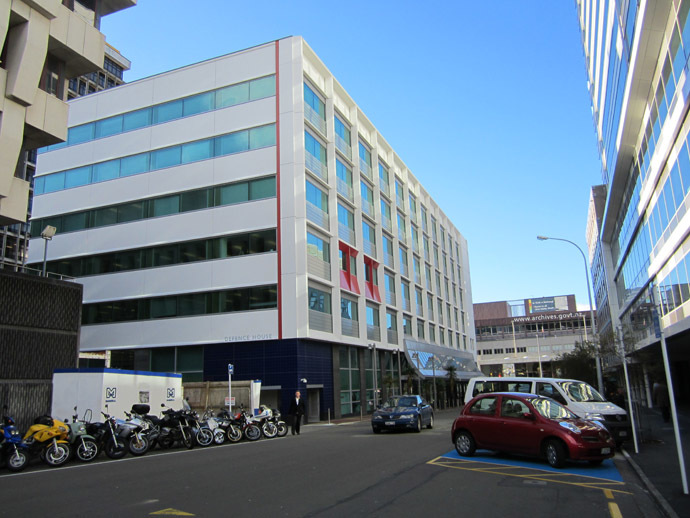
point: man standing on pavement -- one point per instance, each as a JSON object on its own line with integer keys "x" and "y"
{"x": 297, "y": 410}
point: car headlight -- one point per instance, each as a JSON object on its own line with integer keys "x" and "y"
{"x": 377, "y": 417}
{"x": 570, "y": 426}
{"x": 598, "y": 423}
{"x": 407, "y": 416}
{"x": 594, "y": 416}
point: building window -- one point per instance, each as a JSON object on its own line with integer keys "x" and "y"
{"x": 319, "y": 248}
{"x": 390, "y": 288}
{"x": 348, "y": 267}
{"x": 343, "y": 138}
{"x": 407, "y": 325}
{"x": 420, "y": 329}
{"x": 346, "y": 225}
{"x": 350, "y": 402}
{"x": 384, "y": 179}
{"x": 344, "y": 179}
{"x": 365, "y": 160}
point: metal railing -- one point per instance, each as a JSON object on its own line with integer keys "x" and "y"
{"x": 315, "y": 119}
{"x": 373, "y": 333}
{"x": 320, "y": 321}
{"x": 316, "y": 166}
{"x": 345, "y": 189}
{"x": 318, "y": 216}
{"x": 350, "y": 327}
{"x": 343, "y": 147}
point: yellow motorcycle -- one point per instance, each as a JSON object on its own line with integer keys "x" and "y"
{"x": 47, "y": 438}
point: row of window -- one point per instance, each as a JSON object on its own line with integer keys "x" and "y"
{"x": 167, "y": 255}
{"x": 228, "y": 144}
{"x": 320, "y": 302}
{"x": 189, "y": 304}
{"x": 185, "y": 107}
{"x": 197, "y": 199}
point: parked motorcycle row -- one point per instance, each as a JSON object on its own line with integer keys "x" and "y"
{"x": 56, "y": 442}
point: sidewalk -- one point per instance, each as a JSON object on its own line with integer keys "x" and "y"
{"x": 657, "y": 460}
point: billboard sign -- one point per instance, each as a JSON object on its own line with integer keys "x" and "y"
{"x": 546, "y": 304}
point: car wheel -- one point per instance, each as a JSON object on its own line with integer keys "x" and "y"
{"x": 464, "y": 443}
{"x": 555, "y": 453}
{"x": 431, "y": 422}
{"x": 419, "y": 424}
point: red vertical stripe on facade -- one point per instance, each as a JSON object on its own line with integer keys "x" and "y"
{"x": 278, "y": 242}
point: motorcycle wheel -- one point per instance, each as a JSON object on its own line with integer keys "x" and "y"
{"x": 234, "y": 434}
{"x": 218, "y": 436}
{"x": 204, "y": 437}
{"x": 87, "y": 450}
{"x": 252, "y": 432}
{"x": 116, "y": 451}
{"x": 17, "y": 461}
{"x": 269, "y": 429}
{"x": 139, "y": 446}
{"x": 282, "y": 429}
{"x": 165, "y": 442}
{"x": 56, "y": 455}
{"x": 188, "y": 438}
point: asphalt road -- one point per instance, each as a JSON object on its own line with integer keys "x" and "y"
{"x": 337, "y": 470}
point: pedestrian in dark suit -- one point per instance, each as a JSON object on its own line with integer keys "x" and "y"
{"x": 297, "y": 410}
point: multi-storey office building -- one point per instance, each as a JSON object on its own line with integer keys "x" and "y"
{"x": 14, "y": 239}
{"x": 636, "y": 58}
{"x": 524, "y": 337}
{"x": 42, "y": 44}
{"x": 244, "y": 211}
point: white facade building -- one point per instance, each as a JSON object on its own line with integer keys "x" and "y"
{"x": 244, "y": 210}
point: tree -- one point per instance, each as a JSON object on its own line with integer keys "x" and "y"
{"x": 409, "y": 371}
{"x": 580, "y": 363}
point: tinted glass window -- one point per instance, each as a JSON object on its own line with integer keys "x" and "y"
{"x": 137, "y": 119}
{"x": 231, "y": 95}
{"x": 233, "y": 143}
{"x": 484, "y": 406}
{"x": 167, "y": 111}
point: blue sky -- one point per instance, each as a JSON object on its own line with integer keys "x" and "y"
{"x": 486, "y": 103}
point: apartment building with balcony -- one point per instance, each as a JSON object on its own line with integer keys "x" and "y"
{"x": 244, "y": 210}
{"x": 638, "y": 229}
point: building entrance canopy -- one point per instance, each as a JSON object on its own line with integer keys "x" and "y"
{"x": 431, "y": 360}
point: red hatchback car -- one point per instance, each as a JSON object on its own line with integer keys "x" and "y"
{"x": 530, "y": 425}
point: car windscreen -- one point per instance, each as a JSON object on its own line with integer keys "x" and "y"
{"x": 407, "y": 401}
{"x": 550, "y": 408}
{"x": 581, "y": 391}
{"x": 391, "y": 402}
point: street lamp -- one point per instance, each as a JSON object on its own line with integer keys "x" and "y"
{"x": 47, "y": 235}
{"x": 600, "y": 380}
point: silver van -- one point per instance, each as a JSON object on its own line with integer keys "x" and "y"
{"x": 579, "y": 397}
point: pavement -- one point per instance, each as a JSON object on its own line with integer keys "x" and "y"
{"x": 657, "y": 460}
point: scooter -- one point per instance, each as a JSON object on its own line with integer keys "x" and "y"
{"x": 47, "y": 438}
{"x": 12, "y": 452}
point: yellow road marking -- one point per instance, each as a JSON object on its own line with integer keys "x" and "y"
{"x": 614, "y": 510}
{"x": 170, "y": 512}
{"x": 608, "y": 494}
{"x": 558, "y": 478}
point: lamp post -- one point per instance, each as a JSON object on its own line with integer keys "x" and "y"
{"x": 600, "y": 380}
{"x": 47, "y": 235}
{"x": 372, "y": 347}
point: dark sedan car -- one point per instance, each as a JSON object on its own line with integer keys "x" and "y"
{"x": 530, "y": 425}
{"x": 403, "y": 413}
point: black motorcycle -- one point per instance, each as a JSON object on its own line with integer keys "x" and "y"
{"x": 110, "y": 437}
{"x": 174, "y": 428}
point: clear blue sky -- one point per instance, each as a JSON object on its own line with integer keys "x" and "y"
{"x": 486, "y": 103}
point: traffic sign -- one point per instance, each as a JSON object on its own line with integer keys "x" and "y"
{"x": 230, "y": 400}
{"x": 231, "y": 369}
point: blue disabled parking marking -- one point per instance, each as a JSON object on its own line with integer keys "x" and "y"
{"x": 606, "y": 470}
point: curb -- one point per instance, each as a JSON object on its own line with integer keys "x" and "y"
{"x": 660, "y": 500}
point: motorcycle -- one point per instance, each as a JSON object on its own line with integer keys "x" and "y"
{"x": 202, "y": 435}
{"x": 47, "y": 438}
{"x": 217, "y": 425}
{"x": 174, "y": 429}
{"x": 84, "y": 446}
{"x": 264, "y": 421}
{"x": 280, "y": 424}
{"x": 248, "y": 426}
{"x": 12, "y": 452}
{"x": 109, "y": 436}
{"x": 138, "y": 443}
{"x": 231, "y": 424}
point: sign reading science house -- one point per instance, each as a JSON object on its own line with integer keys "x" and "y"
{"x": 250, "y": 337}
{"x": 545, "y": 304}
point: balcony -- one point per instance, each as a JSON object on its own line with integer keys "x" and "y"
{"x": 387, "y": 223}
{"x": 350, "y": 327}
{"x": 384, "y": 186}
{"x": 343, "y": 147}
{"x": 346, "y": 234}
{"x": 316, "y": 166}
{"x": 345, "y": 190}
{"x": 318, "y": 267}
{"x": 392, "y": 336}
{"x": 390, "y": 298}
{"x": 373, "y": 333}
{"x": 369, "y": 248}
{"x": 316, "y": 215}
{"x": 320, "y": 321}
{"x": 368, "y": 208}
{"x": 315, "y": 119}
{"x": 388, "y": 260}
{"x": 365, "y": 169}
